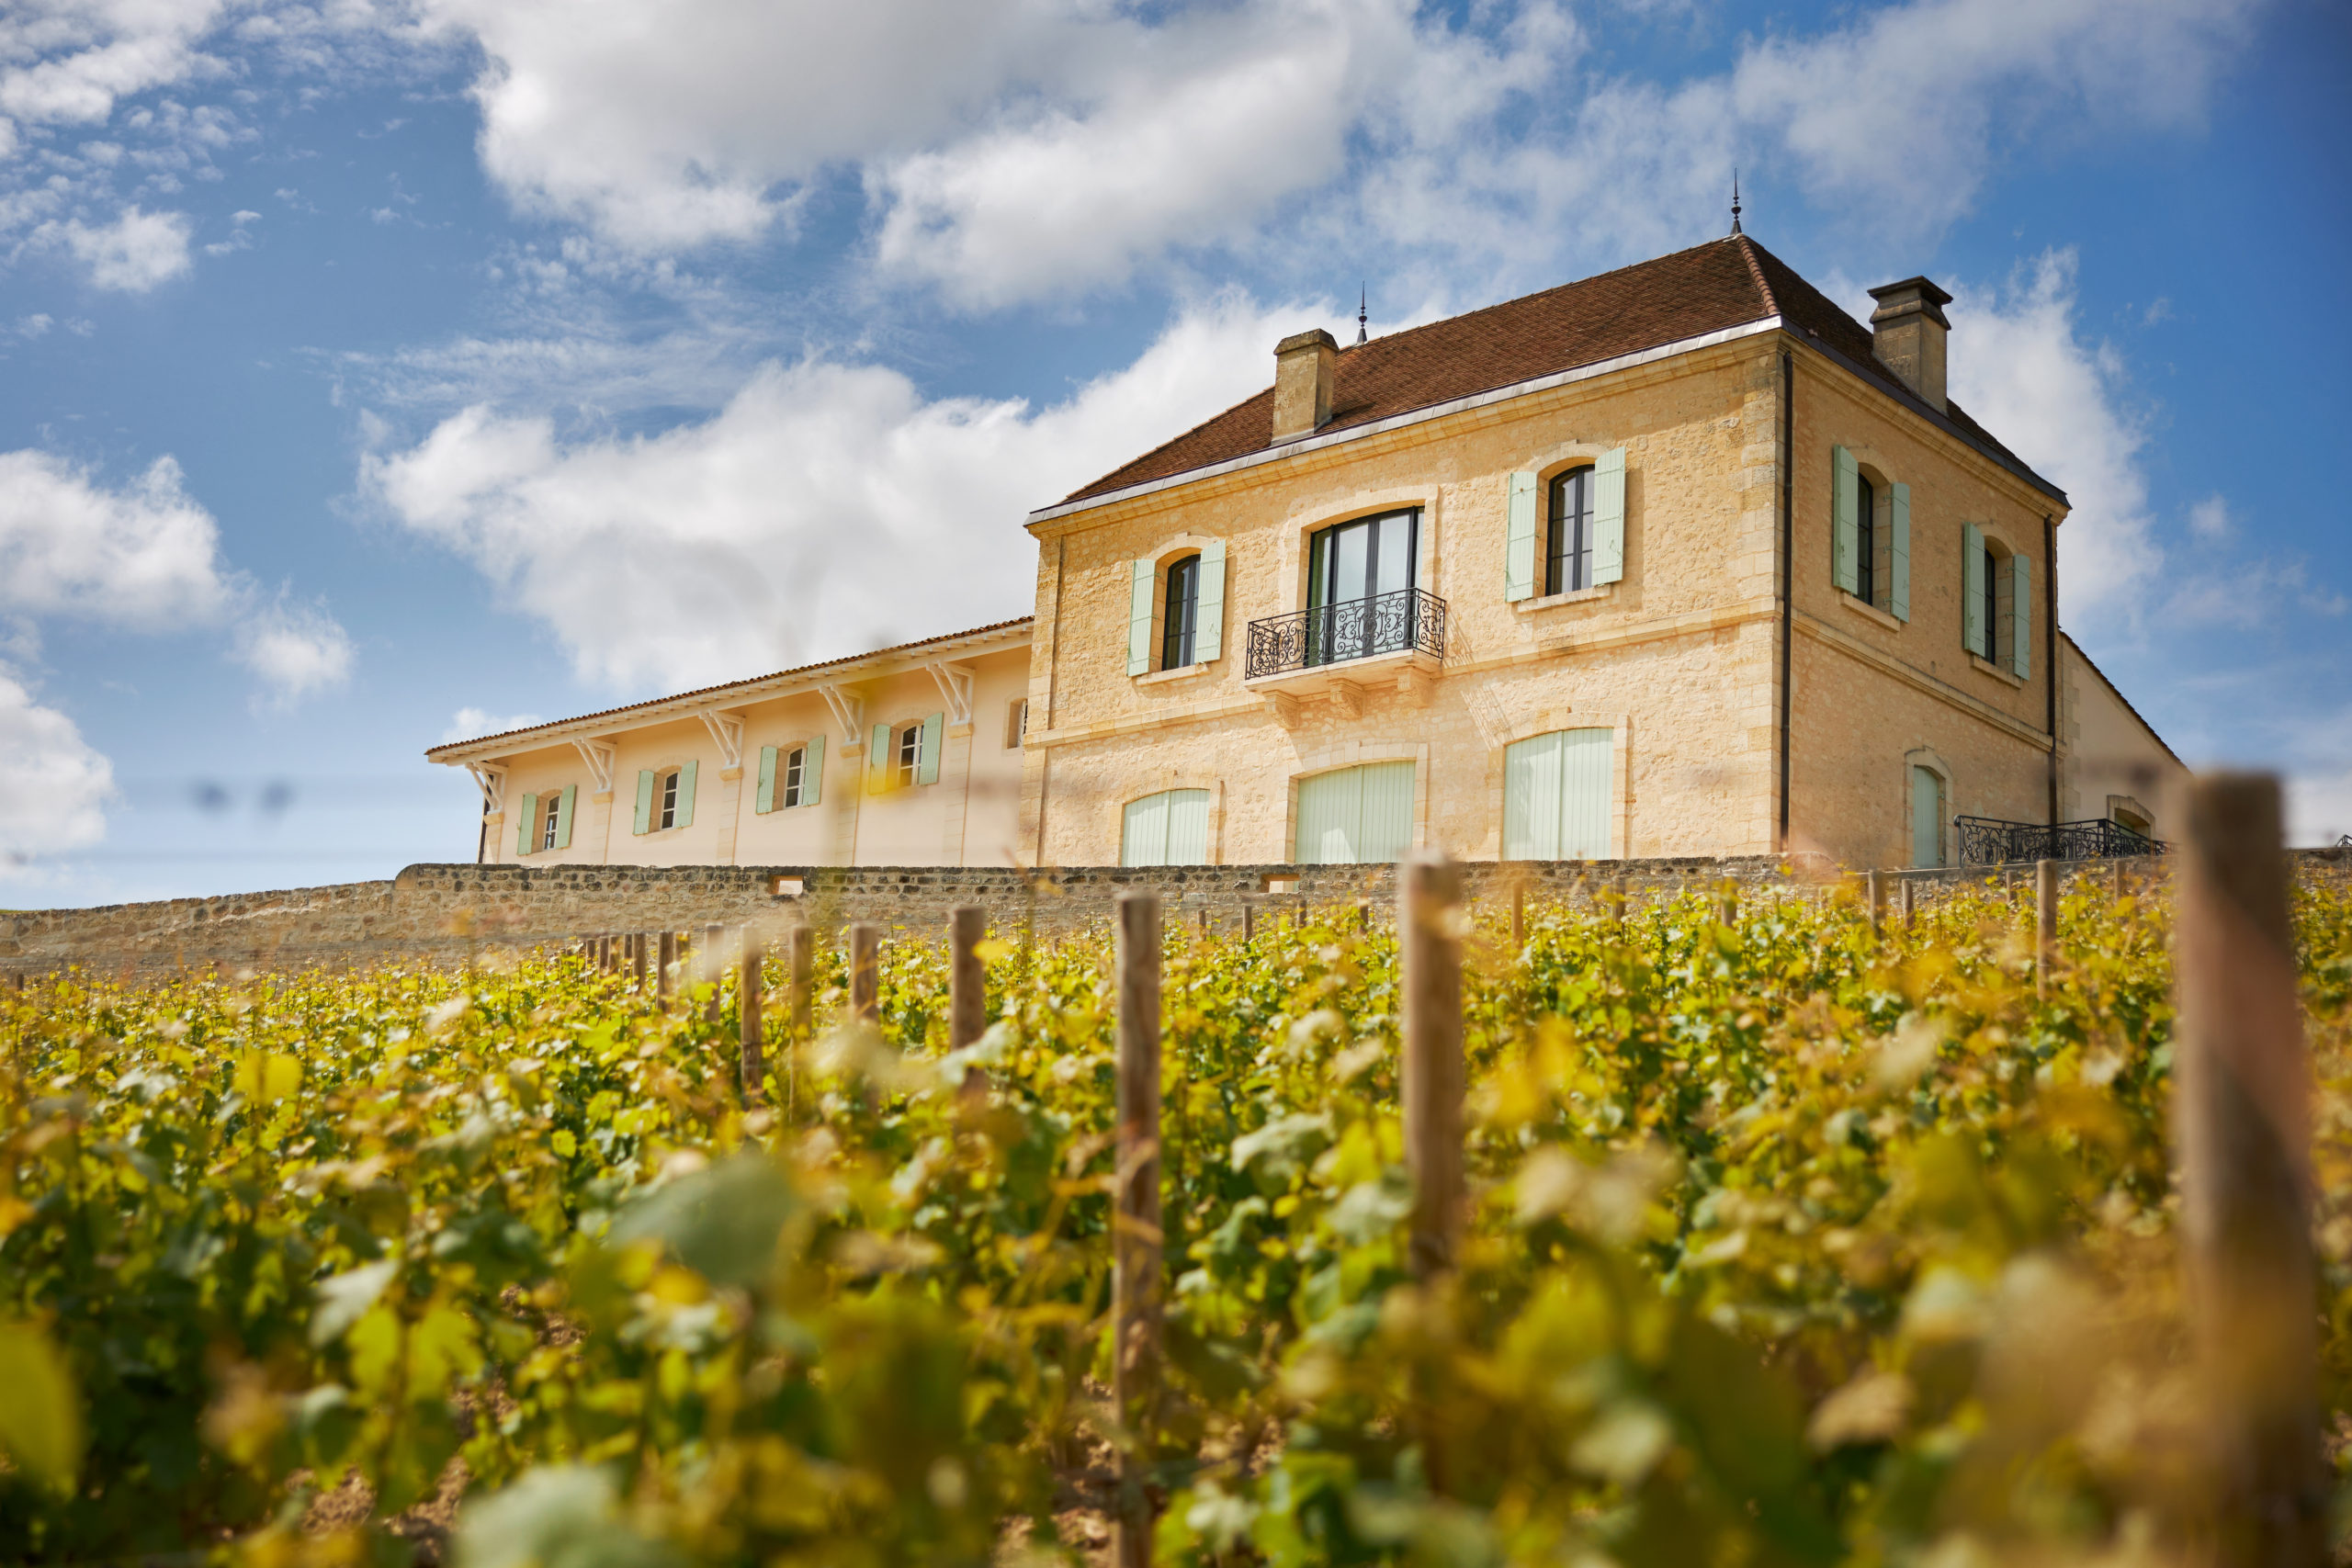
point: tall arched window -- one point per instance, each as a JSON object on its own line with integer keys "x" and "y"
{"x": 1866, "y": 540}
{"x": 1567, "y": 561}
{"x": 1180, "y": 614}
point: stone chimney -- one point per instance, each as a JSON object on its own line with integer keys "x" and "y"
{"x": 1304, "y": 365}
{"x": 1907, "y": 333}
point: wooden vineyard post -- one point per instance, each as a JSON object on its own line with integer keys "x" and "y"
{"x": 1877, "y": 885}
{"x": 866, "y": 972}
{"x": 2116, "y": 871}
{"x": 1619, "y": 894}
{"x": 1910, "y": 903}
{"x": 751, "y": 1023}
{"x": 1519, "y": 919}
{"x": 1248, "y": 922}
{"x": 1135, "y": 1278}
{"x": 667, "y": 960}
{"x": 1429, "y": 890}
{"x": 2241, "y": 1107}
{"x": 1730, "y": 907}
{"x": 967, "y": 988}
{"x": 801, "y": 959}
{"x": 714, "y": 969}
{"x": 644, "y": 959}
{"x": 2045, "y": 923}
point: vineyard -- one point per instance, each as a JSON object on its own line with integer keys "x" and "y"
{"x": 1790, "y": 1239}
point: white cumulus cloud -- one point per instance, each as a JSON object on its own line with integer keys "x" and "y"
{"x": 132, "y": 254}
{"x": 828, "y": 508}
{"x": 469, "y": 723}
{"x": 297, "y": 649}
{"x": 53, "y": 785}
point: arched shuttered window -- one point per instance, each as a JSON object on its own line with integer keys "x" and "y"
{"x": 1555, "y": 795}
{"x": 1355, "y": 816}
{"x": 1168, "y": 829}
{"x": 1926, "y": 816}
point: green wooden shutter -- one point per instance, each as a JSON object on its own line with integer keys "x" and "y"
{"x": 2021, "y": 616}
{"x": 686, "y": 794}
{"x": 1331, "y": 817}
{"x": 1899, "y": 590}
{"x": 927, "y": 754}
{"x": 1142, "y": 579}
{"x": 526, "y": 839}
{"x": 763, "y": 799}
{"x": 1532, "y": 798}
{"x": 1519, "y": 541}
{"x": 1972, "y": 629}
{"x": 563, "y": 817}
{"x": 1387, "y": 830}
{"x": 1584, "y": 793}
{"x": 877, "y": 760}
{"x": 1143, "y": 831}
{"x": 1188, "y": 826}
{"x": 812, "y": 772}
{"x": 1845, "y": 517}
{"x": 1608, "y": 518}
{"x": 644, "y": 801}
{"x": 1208, "y": 616}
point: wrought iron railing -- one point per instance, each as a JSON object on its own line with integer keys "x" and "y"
{"x": 1989, "y": 841}
{"x": 1405, "y": 620}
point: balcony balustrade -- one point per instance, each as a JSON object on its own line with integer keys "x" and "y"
{"x": 1406, "y": 621}
{"x": 1989, "y": 841}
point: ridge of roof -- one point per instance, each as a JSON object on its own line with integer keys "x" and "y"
{"x": 1748, "y": 249}
{"x": 2118, "y": 692}
{"x": 431, "y": 752}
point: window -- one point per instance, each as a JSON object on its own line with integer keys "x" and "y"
{"x": 553, "y": 816}
{"x": 1871, "y": 547}
{"x": 1555, "y": 795}
{"x": 1178, "y": 618}
{"x": 791, "y": 775}
{"x": 1865, "y": 541}
{"x": 1926, "y": 816}
{"x": 901, "y": 755}
{"x": 668, "y": 813}
{"x": 1350, "y": 566}
{"x": 1355, "y": 816}
{"x": 1016, "y": 724}
{"x": 909, "y": 758}
{"x": 1168, "y": 829}
{"x": 1567, "y": 562}
{"x": 665, "y": 798}
{"x": 1996, "y": 620}
{"x": 795, "y": 767}
{"x": 543, "y": 822}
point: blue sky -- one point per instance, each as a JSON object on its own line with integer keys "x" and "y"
{"x": 373, "y": 373}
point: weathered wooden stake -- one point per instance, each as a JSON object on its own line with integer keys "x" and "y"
{"x": 751, "y": 1022}
{"x": 2045, "y": 923}
{"x": 714, "y": 969}
{"x": 1620, "y": 894}
{"x": 866, "y": 972}
{"x": 1519, "y": 919}
{"x": 2241, "y": 1104}
{"x": 668, "y": 954}
{"x": 2115, "y": 871}
{"x": 1136, "y": 1281}
{"x": 1429, "y": 890}
{"x": 1877, "y": 883}
{"x": 801, "y": 966}
{"x": 1910, "y": 903}
{"x": 1248, "y": 922}
{"x": 1730, "y": 908}
{"x": 644, "y": 959}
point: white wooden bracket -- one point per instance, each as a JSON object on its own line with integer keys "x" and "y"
{"x": 954, "y": 684}
{"x": 727, "y": 733}
{"x": 492, "y": 778}
{"x": 600, "y": 756}
{"x": 849, "y": 712}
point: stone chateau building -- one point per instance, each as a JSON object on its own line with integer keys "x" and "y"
{"x": 1680, "y": 560}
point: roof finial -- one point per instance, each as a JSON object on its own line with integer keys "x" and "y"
{"x": 1734, "y": 199}
{"x": 1361, "y": 317}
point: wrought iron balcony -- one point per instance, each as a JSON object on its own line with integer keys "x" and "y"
{"x": 1987, "y": 840}
{"x": 1406, "y": 621}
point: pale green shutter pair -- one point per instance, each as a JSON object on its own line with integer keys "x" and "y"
{"x": 1976, "y": 632}
{"x": 1555, "y": 795}
{"x": 1846, "y": 535}
{"x": 1168, "y": 829}
{"x": 647, "y": 781}
{"x": 1355, "y": 816}
{"x": 813, "y": 775}
{"x": 1524, "y": 528}
{"x": 527, "y": 832}
{"x": 881, "y": 766}
{"x": 1208, "y": 613}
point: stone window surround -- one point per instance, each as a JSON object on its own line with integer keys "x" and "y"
{"x": 1928, "y": 757}
{"x": 1869, "y": 611}
{"x": 1309, "y": 518}
{"x": 1349, "y": 754}
{"x": 1171, "y": 549}
{"x": 1565, "y": 716}
{"x": 784, "y": 751}
{"x": 1983, "y": 665}
{"x": 1996, "y": 539}
{"x": 1182, "y": 778}
{"x": 1550, "y": 464}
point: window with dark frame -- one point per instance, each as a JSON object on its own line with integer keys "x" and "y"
{"x": 795, "y": 763}
{"x": 1567, "y": 560}
{"x": 910, "y": 754}
{"x": 1865, "y": 540}
{"x": 1180, "y": 612}
{"x": 1016, "y": 725}
{"x": 547, "y": 829}
{"x": 1995, "y": 631}
{"x": 669, "y": 818}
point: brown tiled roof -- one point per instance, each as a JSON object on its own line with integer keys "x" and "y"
{"x": 1722, "y": 283}
{"x": 475, "y": 740}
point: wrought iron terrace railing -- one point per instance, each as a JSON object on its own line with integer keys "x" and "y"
{"x": 1988, "y": 841}
{"x": 1405, "y": 620}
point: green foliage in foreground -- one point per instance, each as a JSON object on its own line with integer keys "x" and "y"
{"x": 1791, "y": 1247}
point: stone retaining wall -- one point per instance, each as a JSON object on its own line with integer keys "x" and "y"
{"x": 457, "y": 912}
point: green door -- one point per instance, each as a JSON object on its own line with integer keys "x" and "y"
{"x": 1926, "y": 818}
